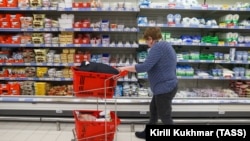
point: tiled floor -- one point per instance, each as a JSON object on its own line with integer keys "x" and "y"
{"x": 40, "y": 131}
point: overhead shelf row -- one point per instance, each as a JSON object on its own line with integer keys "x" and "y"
{"x": 55, "y": 29}
{"x": 158, "y": 7}
{"x": 121, "y": 45}
{"x": 118, "y": 64}
{"x": 71, "y": 79}
{"x": 118, "y": 45}
{"x": 71, "y": 99}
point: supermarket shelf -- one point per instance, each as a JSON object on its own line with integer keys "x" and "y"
{"x": 34, "y": 79}
{"x": 196, "y": 8}
{"x": 28, "y": 9}
{"x": 70, "y": 45}
{"x": 209, "y": 78}
{"x": 122, "y": 79}
{"x": 160, "y": 7}
{"x": 121, "y": 100}
{"x": 56, "y": 64}
{"x": 131, "y": 120}
{"x": 100, "y": 9}
{"x": 100, "y": 29}
{"x": 29, "y": 106}
{"x": 55, "y": 29}
{"x": 231, "y": 62}
{"x": 213, "y": 78}
{"x": 70, "y": 9}
{"x": 194, "y": 26}
{"x": 206, "y": 45}
{"x": 54, "y": 79}
{"x": 213, "y": 61}
{"x": 41, "y": 64}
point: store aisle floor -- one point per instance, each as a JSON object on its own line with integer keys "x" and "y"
{"x": 40, "y": 131}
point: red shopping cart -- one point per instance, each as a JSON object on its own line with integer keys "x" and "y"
{"x": 98, "y": 85}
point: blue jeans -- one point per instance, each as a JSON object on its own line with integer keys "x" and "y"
{"x": 161, "y": 107}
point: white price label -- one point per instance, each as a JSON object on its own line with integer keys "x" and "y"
{"x": 222, "y": 112}
{"x": 77, "y": 29}
{"x": 54, "y": 45}
{"x": 59, "y": 111}
{"x": 76, "y": 100}
{"x": 63, "y": 45}
{"x": 96, "y": 29}
{"x": 54, "y": 29}
{"x": 45, "y": 8}
{"x": 143, "y": 112}
{"x": 77, "y": 45}
{"x": 62, "y": 29}
{"x": 52, "y": 8}
{"x": 186, "y": 25}
{"x": 47, "y": 45}
{"x": 105, "y": 29}
{"x": 33, "y": 8}
{"x": 36, "y": 29}
{"x": 58, "y": 79}
{"x": 21, "y": 99}
{"x": 37, "y": 45}
{"x": 46, "y": 29}
{"x": 48, "y": 100}
{"x": 93, "y": 9}
{"x": 27, "y": 64}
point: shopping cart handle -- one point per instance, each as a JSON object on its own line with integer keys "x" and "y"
{"x": 123, "y": 73}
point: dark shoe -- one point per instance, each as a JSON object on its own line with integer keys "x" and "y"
{"x": 141, "y": 135}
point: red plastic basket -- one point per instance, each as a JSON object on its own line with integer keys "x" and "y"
{"x": 92, "y": 84}
{"x": 95, "y": 130}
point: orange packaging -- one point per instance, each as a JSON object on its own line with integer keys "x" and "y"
{"x": 5, "y": 24}
{"x": 5, "y": 19}
{"x": 15, "y": 25}
{"x": 14, "y": 17}
{"x": 77, "y": 5}
{"x": 86, "y": 40}
{"x": 12, "y": 3}
{"x": 78, "y": 58}
{"x": 8, "y": 39}
{"x": 2, "y": 16}
{"x": 86, "y": 5}
{"x": 77, "y": 25}
{"x": 14, "y": 88}
{"x": 4, "y": 89}
{"x": 26, "y": 39}
{"x": 2, "y": 40}
{"x": 16, "y": 39}
{"x": 3, "y": 3}
{"x": 78, "y": 41}
{"x": 86, "y": 24}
